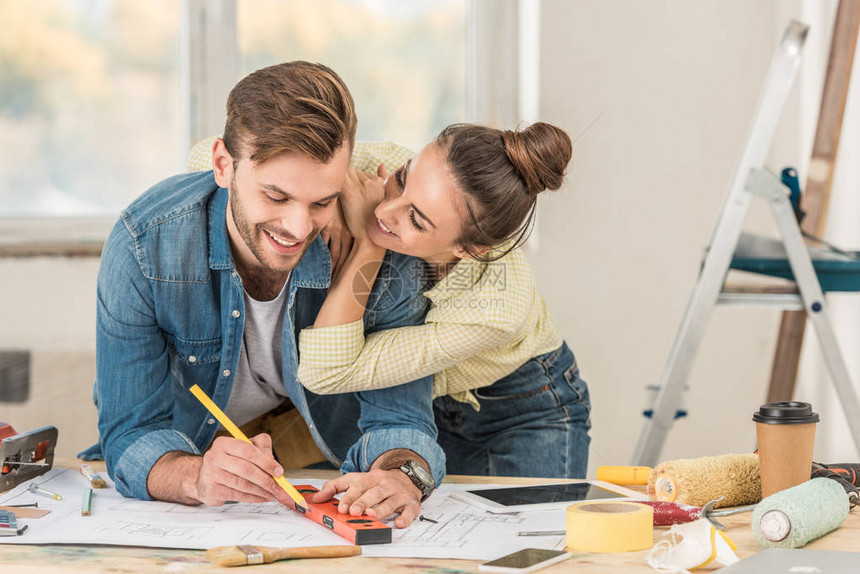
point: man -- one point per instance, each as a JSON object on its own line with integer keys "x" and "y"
{"x": 207, "y": 278}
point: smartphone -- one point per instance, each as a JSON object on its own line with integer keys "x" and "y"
{"x": 527, "y": 560}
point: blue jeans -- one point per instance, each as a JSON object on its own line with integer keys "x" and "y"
{"x": 533, "y": 422}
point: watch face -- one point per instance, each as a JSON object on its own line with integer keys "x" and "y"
{"x": 421, "y": 474}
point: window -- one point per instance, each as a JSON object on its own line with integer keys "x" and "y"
{"x": 404, "y": 62}
{"x": 89, "y": 107}
{"x": 100, "y": 99}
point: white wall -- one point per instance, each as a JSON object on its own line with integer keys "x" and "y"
{"x": 50, "y": 311}
{"x": 620, "y": 244}
{"x": 676, "y": 83}
{"x": 833, "y": 443}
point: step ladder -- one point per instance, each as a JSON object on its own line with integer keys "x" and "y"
{"x": 751, "y": 180}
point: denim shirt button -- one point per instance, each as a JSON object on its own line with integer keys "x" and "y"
{"x": 210, "y": 421}
{"x": 192, "y": 359}
{"x": 236, "y": 313}
{"x": 226, "y": 372}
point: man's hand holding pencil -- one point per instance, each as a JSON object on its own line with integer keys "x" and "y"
{"x": 236, "y": 470}
{"x": 232, "y": 470}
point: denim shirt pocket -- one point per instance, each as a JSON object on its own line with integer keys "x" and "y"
{"x": 194, "y": 361}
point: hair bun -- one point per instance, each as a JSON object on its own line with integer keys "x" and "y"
{"x": 540, "y": 153}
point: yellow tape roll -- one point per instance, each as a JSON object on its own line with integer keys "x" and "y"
{"x": 610, "y": 527}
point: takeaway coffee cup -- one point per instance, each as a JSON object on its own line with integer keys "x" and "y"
{"x": 786, "y": 435}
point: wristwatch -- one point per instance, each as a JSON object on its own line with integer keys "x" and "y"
{"x": 420, "y": 477}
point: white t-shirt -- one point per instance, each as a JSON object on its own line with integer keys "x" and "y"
{"x": 258, "y": 386}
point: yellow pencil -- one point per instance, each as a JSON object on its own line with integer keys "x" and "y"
{"x": 234, "y": 430}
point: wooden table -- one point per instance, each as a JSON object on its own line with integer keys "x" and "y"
{"x": 29, "y": 559}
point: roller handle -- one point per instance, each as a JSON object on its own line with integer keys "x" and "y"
{"x": 624, "y": 474}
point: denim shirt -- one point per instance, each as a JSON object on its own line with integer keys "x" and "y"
{"x": 170, "y": 314}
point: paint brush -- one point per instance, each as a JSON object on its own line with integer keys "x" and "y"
{"x": 245, "y": 555}
{"x": 234, "y": 430}
{"x": 95, "y": 480}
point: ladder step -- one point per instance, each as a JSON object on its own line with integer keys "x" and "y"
{"x": 779, "y": 300}
{"x": 767, "y": 256}
{"x": 770, "y": 288}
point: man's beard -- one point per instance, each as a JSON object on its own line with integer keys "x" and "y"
{"x": 252, "y": 235}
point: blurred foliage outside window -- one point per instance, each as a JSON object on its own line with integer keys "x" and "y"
{"x": 403, "y": 60}
{"x": 90, "y": 106}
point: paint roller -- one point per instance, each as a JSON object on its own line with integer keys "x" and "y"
{"x": 788, "y": 519}
{"x": 792, "y": 517}
{"x": 732, "y": 478}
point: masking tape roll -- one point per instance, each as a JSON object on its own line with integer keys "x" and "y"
{"x": 610, "y": 527}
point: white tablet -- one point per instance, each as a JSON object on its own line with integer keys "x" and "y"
{"x": 545, "y": 496}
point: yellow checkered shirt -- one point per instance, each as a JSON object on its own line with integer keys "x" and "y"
{"x": 485, "y": 320}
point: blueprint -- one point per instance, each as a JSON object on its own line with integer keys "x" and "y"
{"x": 455, "y": 529}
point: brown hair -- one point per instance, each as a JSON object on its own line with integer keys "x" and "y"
{"x": 290, "y": 107}
{"x": 501, "y": 173}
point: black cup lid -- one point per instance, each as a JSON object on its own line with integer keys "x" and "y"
{"x": 786, "y": 413}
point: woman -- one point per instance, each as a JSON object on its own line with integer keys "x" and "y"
{"x": 509, "y": 397}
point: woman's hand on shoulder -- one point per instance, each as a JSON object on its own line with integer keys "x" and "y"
{"x": 338, "y": 238}
{"x": 361, "y": 193}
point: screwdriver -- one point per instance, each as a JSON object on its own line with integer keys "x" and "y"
{"x": 35, "y": 489}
